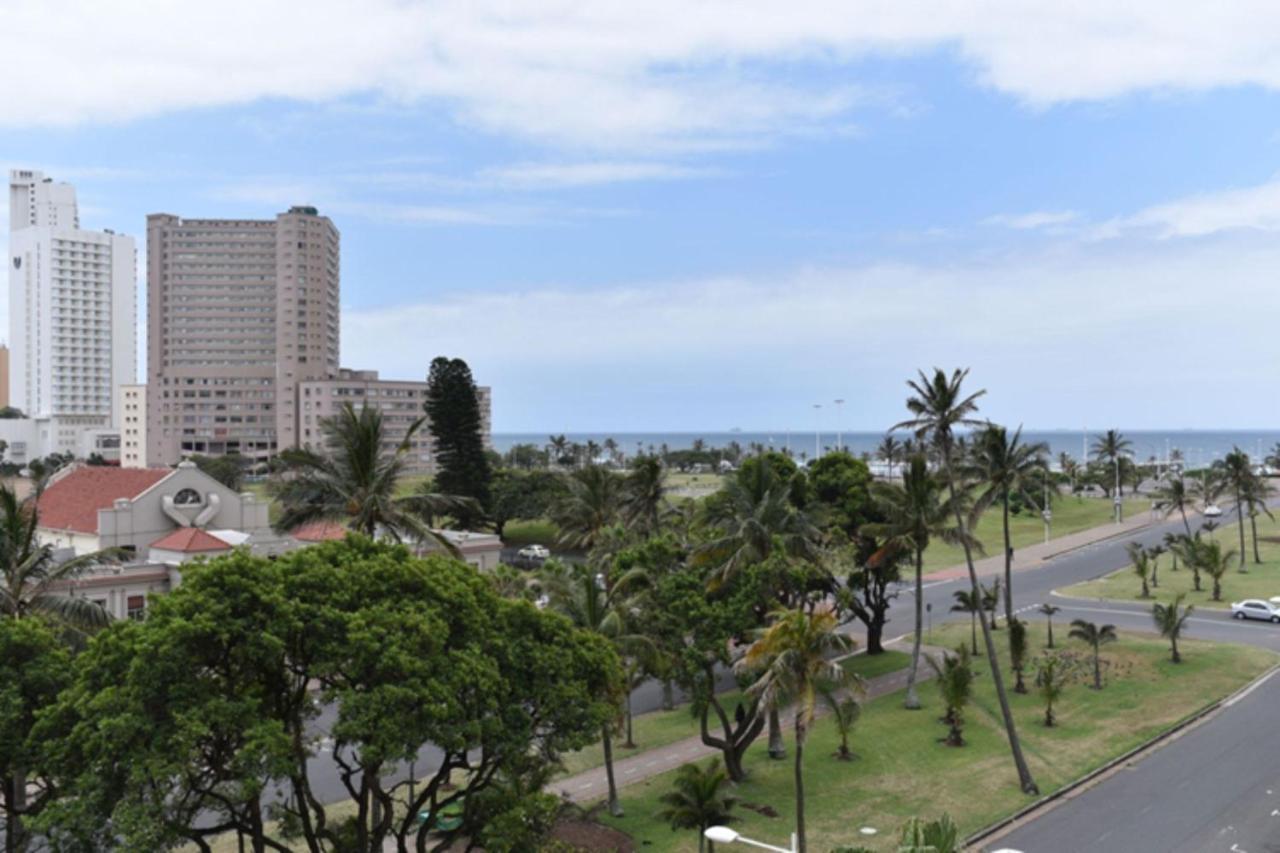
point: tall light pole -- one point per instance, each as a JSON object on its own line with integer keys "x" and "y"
{"x": 1119, "y": 503}
{"x": 839, "y": 429}
{"x": 817, "y": 430}
{"x": 725, "y": 835}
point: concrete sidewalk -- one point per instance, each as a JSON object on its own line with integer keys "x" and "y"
{"x": 592, "y": 785}
{"x": 1031, "y": 556}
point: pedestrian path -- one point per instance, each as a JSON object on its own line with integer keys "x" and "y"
{"x": 592, "y": 785}
{"x": 1031, "y": 556}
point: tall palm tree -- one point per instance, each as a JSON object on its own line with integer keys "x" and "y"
{"x": 355, "y": 481}
{"x": 967, "y": 602}
{"x": 589, "y": 506}
{"x": 991, "y": 601}
{"x": 1048, "y": 610}
{"x": 1173, "y": 497}
{"x": 1110, "y": 448}
{"x": 1068, "y": 466}
{"x": 1004, "y": 466}
{"x": 1141, "y": 564}
{"x": 1258, "y": 491}
{"x": 1096, "y": 637}
{"x": 955, "y": 685}
{"x": 915, "y": 511}
{"x": 32, "y": 582}
{"x": 1207, "y": 556}
{"x": 794, "y": 657}
{"x": 604, "y": 607}
{"x": 699, "y": 799}
{"x": 939, "y": 406}
{"x": 754, "y": 511}
{"x": 643, "y": 496}
{"x": 889, "y": 451}
{"x": 1171, "y": 620}
{"x": 1238, "y": 472}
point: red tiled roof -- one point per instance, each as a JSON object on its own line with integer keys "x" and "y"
{"x": 189, "y": 540}
{"x": 71, "y": 502}
{"x": 319, "y": 531}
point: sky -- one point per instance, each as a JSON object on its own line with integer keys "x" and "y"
{"x": 707, "y": 215}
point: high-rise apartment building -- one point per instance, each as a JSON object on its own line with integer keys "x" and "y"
{"x": 72, "y": 311}
{"x": 239, "y": 312}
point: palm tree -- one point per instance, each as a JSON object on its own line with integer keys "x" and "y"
{"x": 1110, "y": 448}
{"x": 991, "y": 601}
{"x": 794, "y": 659}
{"x": 1155, "y": 552}
{"x": 589, "y": 505}
{"x": 32, "y": 582}
{"x": 1048, "y": 610}
{"x": 352, "y": 479}
{"x": 698, "y": 799}
{"x": 1171, "y": 620}
{"x": 1068, "y": 466}
{"x": 1258, "y": 491}
{"x": 754, "y": 511}
{"x": 1018, "y": 652}
{"x": 1237, "y": 473}
{"x": 1052, "y": 675}
{"x": 915, "y": 511}
{"x": 938, "y": 407}
{"x": 1096, "y": 637}
{"x": 845, "y": 711}
{"x": 935, "y": 836}
{"x": 1175, "y": 497}
{"x": 595, "y": 604}
{"x": 1004, "y": 465}
{"x": 1141, "y": 565}
{"x": 1208, "y": 557}
{"x": 967, "y": 603}
{"x": 955, "y": 685}
{"x": 889, "y": 451}
{"x": 643, "y": 498}
{"x": 1170, "y": 545}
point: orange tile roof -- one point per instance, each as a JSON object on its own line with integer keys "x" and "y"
{"x": 319, "y": 531}
{"x": 190, "y": 540}
{"x": 71, "y": 502}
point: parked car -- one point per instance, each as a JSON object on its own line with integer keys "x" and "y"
{"x": 1255, "y": 608}
{"x": 1212, "y": 511}
{"x": 534, "y": 552}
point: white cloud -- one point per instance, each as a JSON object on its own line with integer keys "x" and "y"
{"x": 741, "y": 350}
{"x": 1255, "y": 208}
{"x": 1033, "y": 220}
{"x": 609, "y": 74}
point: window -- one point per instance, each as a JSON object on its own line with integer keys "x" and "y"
{"x": 136, "y": 607}
{"x": 187, "y": 497}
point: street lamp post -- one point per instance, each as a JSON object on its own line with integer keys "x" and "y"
{"x": 1046, "y": 513}
{"x": 839, "y": 429}
{"x": 817, "y": 431}
{"x": 725, "y": 835}
{"x": 1119, "y": 503}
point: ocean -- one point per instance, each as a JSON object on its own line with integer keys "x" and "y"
{"x": 1199, "y": 447}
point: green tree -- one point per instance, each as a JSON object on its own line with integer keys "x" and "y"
{"x": 1141, "y": 564}
{"x": 523, "y": 495}
{"x": 1171, "y": 621}
{"x": 1018, "y": 652}
{"x": 699, "y": 799}
{"x": 643, "y": 499}
{"x": 1237, "y": 472}
{"x": 1004, "y": 466}
{"x": 34, "y": 669}
{"x": 954, "y": 677}
{"x": 1053, "y": 673}
{"x": 228, "y": 469}
{"x": 890, "y": 452}
{"x": 589, "y": 506}
{"x": 354, "y": 480}
{"x": 457, "y": 434}
{"x": 32, "y": 582}
{"x": 1207, "y": 556}
{"x": 938, "y": 406}
{"x": 839, "y": 492}
{"x": 794, "y": 659}
{"x": 1096, "y": 637}
{"x": 935, "y": 836}
{"x": 845, "y": 713}
{"x": 1048, "y": 610}
{"x": 914, "y": 511}
{"x": 967, "y": 602}
{"x": 1173, "y": 497}
{"x": 1258, "y": 491}
{"x": 1109, "y": 449}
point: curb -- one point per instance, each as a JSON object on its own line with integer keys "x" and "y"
{"x": 997, "y": 829}
{"x": 1107, "y": 538}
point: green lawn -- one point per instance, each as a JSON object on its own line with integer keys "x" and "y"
{"x": 530, "y": 532}
{"x": 1071, "y": 514}
{"x": 904, "y": 770}
{"x": 1259, "y": 581}
{"x": 659, "y": 728}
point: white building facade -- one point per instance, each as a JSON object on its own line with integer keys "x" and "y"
{"x": 72, "y": 312}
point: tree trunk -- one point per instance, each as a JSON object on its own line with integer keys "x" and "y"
{"x": 615, "y": 807}
{"x": 1240, "y": 524}
{"x": 13, "y": 823}
{"x": 1253, "y": 526}
{"x": 1217, "y": 589}
{"x": 1050, "y": 620}
{"x": 912, "y": 702}
{"x": 777, "y": 749}
{"x": 973, "y": 629}
{"x": 1195, "y": 576}
{"x": 1155, "y": 572}
{"x": 1097, "y": 669}
{"x": 1177, "y": 658}
{"x": 799, "y": 774}
{"x": 1008, "y": 565}
{"x": 1146, "y": 593}
{"x": 668, "y": 696}
{"x": 1025, "y": 779}
{"x": 630, "y": 744}
{"x": 875, "y": 636}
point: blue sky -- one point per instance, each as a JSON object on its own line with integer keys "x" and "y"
{"x": 705, "y": 215}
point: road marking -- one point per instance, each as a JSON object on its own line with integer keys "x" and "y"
{"x": 1252, "y": 687}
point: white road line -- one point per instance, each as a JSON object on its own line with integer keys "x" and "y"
{"x": 1252, "y": 687}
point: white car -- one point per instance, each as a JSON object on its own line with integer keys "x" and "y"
{"x": 534, "y": 552}
{"x": 1255, "y": 608}
{"x": 1212, "y": 511}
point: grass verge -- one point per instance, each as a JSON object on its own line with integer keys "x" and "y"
{"x": 903, "y": 770}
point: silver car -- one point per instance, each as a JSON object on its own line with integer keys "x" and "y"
{"x": 1255, "y": 608}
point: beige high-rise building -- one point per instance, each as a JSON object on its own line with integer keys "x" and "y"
{"x": 239, "y": 312}
{"x": 133, "y": 425}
